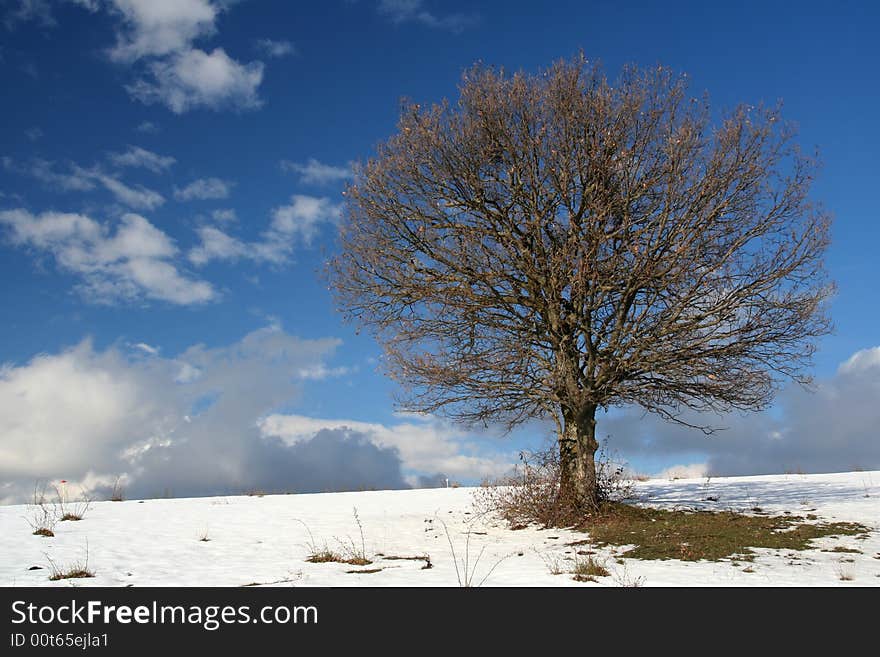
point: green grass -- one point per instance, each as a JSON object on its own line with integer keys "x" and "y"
{"x": 696, "y": 535}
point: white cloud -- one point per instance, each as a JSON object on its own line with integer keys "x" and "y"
{"x": 273, "y": 48}
{"x": 159, "y": 35}
{"x": 320, "y": 372}
{"x": 136, "y": 196}
{"x": 314, "y": 172}
{"x": 303, "y": 215}
{"x": 44, "y": 171}
{"x": 691, "y": 471}
{"x": 87, "y": 415}
{"x": 147, "y": 349}
{"x": 428, "y": 447}
{"x": 224, "y": 215}
{"x": 830, "y": 428}
{"x": 195, "y": 78}
{"x": 84, "y": 397}
{"x": 160, "y": 27}
{"x": 203, "y": 189}
{"x": 135, "y": 156}
{"x": 187, "y": 374}
{"x": 414, "y": 11}
{"x": 82, "y": 180}
{"x": 34, "y": 133}
{"x": 299, "y": 220}
{"x": 861, "y": 361}
{"x": 217, "y": 245}
{"x": 128, "y": 263}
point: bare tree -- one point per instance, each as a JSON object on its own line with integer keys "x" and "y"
{"x": 557, "y": 243}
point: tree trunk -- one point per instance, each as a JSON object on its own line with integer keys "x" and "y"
{"x": 577, "y": 460}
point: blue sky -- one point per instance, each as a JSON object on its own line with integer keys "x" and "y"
{"x": 170, "y": 178}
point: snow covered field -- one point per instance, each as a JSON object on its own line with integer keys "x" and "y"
{"x": 266, "y": 540}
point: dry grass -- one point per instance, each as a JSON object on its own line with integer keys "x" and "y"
{"x": 77, "y": 570}
{"x": 42, "y": 516}
{"x": 844, "y": 550}
{"x": 466, "y": 567}
{"x": 532, "y": 494}
{"x": 350, "y": 552}
{"x": 588, "y": 570}
{"x": 117, "y": 491}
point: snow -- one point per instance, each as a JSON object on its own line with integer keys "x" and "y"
{"x": 266, "y": 540}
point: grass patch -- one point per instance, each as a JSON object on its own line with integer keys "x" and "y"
{"x": 366, "y": 571}
{"x": 588, "y": 570}
{"x": 326, "y": 555}
{"x": 696, "y": 535}
{"x": 845, "y": 550}
{"x": 351, "y": 553}
{"x": 44, "y": 531}
{"x": 71, "y": 573}
{"x": 357, "y": 561}
{"x": 77, "y": 570}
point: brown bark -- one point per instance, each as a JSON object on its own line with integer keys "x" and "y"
{"x": 578, "y": 484}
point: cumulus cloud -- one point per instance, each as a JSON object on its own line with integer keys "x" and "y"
{"x": 273, "y": 48}
{"x": 157, "y": 37}
{"x": 224, "y": 215}
{"x": 303, "y": 215}
{"x": 160, "y": 27}
{"x": 689, "y": 471}
{"x": 314, "y": 172}
{"x": 204, "y": 189}
{"x": 135, "y": 156}
{"x": 861, "y": 363}
{"x": 130, "y": 261}
{"x": 217, "y": 245}
{"x": 298, "y": 221}
{"x": 414, "y": 11}
{"x": 832, "y": 428}
{"x": 88, "y": 416}
{"x": 426, "y": 447}
{"x": 195, "y": 78}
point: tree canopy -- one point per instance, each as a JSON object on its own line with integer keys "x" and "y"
{"x": 556, "y": 243}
